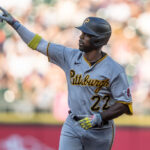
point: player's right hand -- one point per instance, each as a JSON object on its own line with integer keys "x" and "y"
{"x": 6, "y": 17}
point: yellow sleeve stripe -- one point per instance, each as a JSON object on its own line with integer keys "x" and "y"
{"x": 34, "y": 42}
{"x": 130, "y": 108}
{"x": 47, "y": 51}
{"x": 129, "y": 105}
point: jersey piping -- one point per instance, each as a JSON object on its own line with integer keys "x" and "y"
{"x": 47, "y": 51}
{"x": 98, "y": 61}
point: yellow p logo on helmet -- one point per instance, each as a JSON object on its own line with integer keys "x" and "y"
{"x": 86, "y": 21}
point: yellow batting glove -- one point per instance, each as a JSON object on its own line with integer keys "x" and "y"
{"x": 91, "y": 121}
{"x": 85, "y": 123}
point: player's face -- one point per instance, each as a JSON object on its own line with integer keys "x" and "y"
{"x": 85, "y": 42}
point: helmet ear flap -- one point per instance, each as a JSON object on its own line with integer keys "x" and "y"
{"x": 95, "y": 41}
{"x": 98, "y": 41}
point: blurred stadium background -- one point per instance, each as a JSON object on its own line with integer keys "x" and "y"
{"x": 33, "y": 93}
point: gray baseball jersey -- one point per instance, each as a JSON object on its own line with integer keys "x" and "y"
{"x": 90, "y": 88}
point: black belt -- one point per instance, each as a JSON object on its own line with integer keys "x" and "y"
{"x": 76, "y": 118}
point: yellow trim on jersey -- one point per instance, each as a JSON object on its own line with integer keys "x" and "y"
{"x": 87, "y": 61}
{"x": 34, "y": 42}
{"x": 47, "y": 51}
{"x": 101, "y": 59}
{"x": 98, "y": 61}
{"x": 129, "y": 105}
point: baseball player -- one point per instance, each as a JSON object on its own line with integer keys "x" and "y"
{"x": 97, "y": 85}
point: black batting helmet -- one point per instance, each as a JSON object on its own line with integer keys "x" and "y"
{"x": 99, "y": 28}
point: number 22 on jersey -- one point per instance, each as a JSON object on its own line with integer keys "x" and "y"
{"x": 97, "y": 99}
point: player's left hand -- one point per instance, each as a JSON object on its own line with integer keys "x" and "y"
{"x": 91, "y": 121}
{"x": 6, "y": 16}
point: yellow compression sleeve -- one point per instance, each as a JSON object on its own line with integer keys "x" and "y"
{"x": 34, "y": 42}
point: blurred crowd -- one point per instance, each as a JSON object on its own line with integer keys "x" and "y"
{"x": 28, "y": 83}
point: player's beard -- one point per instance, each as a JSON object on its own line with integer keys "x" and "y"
{"x": 86, "y": 48}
